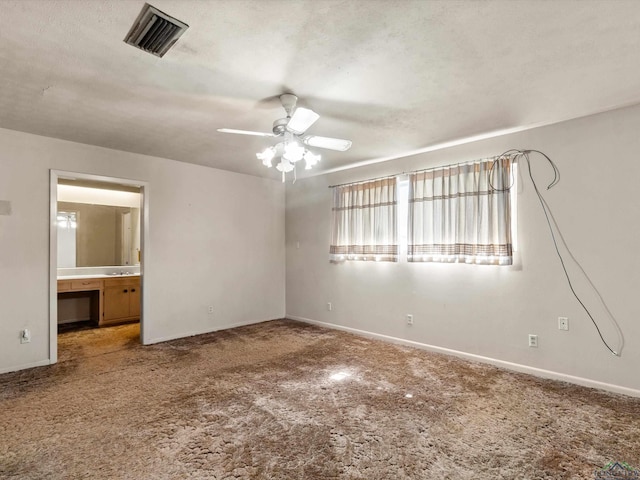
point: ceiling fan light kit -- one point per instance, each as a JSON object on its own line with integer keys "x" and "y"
{"x": 290, "y": 149}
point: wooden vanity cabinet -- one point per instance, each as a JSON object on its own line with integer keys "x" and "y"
{"x": 84, "y": 287}
{"x": 121, "y": 300}
{"x": 113, "y": 300}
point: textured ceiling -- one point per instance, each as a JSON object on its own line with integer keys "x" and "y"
{"x": 392, "y": 76}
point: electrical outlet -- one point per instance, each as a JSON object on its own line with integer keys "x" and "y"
{"x": 329, "y": 306}
{"x": 409, "y": 318}
{"x": 25, "y": 336}
{"x": 563, "y": 323}
{"x": 533, "y": 340}
{"x": 210, "y": 309}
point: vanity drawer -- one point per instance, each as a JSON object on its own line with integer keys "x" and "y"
{"x": 86, "y": 284}
{"x": 132, "y": 280}
{"x": 64, "y": 285}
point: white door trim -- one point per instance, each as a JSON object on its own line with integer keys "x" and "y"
{"x": 53, "y": 248}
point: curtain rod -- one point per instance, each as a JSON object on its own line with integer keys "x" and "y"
{"x": 507, "y": 154}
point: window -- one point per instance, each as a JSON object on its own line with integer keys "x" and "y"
{"x": 462, "y": 213}
{"x": 403, "y": 216}
{"x": 364, "y": 222}
{"x": 458, "y": 213}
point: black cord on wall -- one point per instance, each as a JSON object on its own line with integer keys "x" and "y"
{"x": 517, "y": 154}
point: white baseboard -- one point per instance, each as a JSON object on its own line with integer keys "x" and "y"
{"x": 15, "y": 368}
{"x": 538, "y": 372}
{"x": 202, "y": 332}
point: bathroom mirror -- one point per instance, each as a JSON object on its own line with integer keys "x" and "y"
{"x": 104, "y": 235}
{"x": 97, "y": 226}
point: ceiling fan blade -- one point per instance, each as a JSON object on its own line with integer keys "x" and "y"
{"x": 301, "y": 120}
{"x": 338, "y": 144}
{"x": 245, "y": 132}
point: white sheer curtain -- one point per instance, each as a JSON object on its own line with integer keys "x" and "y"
{"x": 461, "y": 213}
{"x": 364, "y": 222}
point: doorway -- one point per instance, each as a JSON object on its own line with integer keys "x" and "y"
{"x": 119, "y": 258}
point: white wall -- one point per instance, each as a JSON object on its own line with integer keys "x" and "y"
{"x": 216, "y": 238}
{"x": 489, "y": 310}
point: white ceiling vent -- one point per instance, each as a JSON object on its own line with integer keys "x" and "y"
{"x": 155, "y": 31}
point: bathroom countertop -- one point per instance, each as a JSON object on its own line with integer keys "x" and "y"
{"x": 97, "y": 275}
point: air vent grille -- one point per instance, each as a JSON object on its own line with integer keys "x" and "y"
{"x": 155, "y": 31}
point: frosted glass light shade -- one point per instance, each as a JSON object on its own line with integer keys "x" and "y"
{"x": 293, "y": 152}
{"x": 310, "y": 159}
{"x": 284, "y": 166}
{"x": 266, "y": 156}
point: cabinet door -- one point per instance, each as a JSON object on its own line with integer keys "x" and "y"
{"x": 116, "y": 302}
{"x": 134, "y": 301}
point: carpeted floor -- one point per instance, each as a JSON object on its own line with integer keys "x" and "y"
{"x": 284, "y": 400}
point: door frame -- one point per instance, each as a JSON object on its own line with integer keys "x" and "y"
{"x": 53, "y": 247}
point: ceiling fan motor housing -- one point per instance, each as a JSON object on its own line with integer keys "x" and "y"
{"x": 280, "y": 126}
{"x": 288, "y": 101}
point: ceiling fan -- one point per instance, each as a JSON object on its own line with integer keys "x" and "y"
{"x": 292, "y": 129}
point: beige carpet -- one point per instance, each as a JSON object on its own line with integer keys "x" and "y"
{"x": 283, "y": 400}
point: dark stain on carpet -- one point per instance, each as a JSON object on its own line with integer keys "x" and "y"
{"x": 285, "y": 400}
